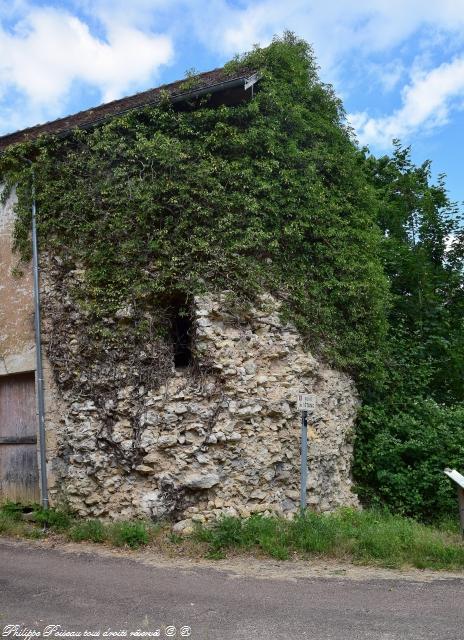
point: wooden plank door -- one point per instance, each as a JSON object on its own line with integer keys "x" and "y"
{"x": 18, "y": 439}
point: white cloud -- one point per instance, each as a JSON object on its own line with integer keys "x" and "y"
{"x": 427, "y": 102}
{"x": 387, "y": 75}
{"x": 334, "y": 26}
{"x": 49, "y": 50}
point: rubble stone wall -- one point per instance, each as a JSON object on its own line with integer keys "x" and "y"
{"x": 220, "y": 436}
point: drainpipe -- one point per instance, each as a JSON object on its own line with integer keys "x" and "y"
{"x": 38, "y": 349}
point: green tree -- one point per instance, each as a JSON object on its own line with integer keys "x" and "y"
{"x": 412, "y": 426}
{"x": 423, "y": 252}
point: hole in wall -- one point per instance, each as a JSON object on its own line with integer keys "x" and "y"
{"x": 181, "y": 333}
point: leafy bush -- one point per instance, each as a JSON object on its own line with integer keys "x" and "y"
{"x": 412, "y": 424}
{"x": 401, "y": 456}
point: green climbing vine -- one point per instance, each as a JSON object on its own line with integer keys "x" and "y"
{"x": 271, "y": 194}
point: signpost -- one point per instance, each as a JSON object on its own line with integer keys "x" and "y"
{"x": 306, "y": 402}
{"x": 458, "y": 479}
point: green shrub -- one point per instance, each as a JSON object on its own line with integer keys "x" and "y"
{"x": 401, "y": 454}
{"x": 92, "y": 530}
{"x": 131, "y": 534}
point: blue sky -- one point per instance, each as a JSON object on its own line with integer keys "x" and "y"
{"x": 397, "y": 65}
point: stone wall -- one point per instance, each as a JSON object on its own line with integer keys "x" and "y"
{"x": 220, "y": 436}
{"x": 128, "y": 435}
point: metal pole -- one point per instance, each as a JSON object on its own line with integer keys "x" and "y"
{"x": 304, "y": 459}
{"x": 38, "y": 350}
{"x": 461, "y": 509}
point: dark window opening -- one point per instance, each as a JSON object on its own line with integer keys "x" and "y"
{"x": 182, "y": 336}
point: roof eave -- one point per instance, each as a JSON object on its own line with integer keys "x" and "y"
{"x": 31, "y": 133}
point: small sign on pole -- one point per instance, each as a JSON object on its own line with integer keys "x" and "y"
{"x": 458, "y": 479}
{"x": 306, "y": 403}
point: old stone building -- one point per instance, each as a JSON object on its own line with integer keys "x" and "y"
{"x": 220, "y": 435}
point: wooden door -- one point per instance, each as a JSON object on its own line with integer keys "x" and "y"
{"x": 18, "y": 439}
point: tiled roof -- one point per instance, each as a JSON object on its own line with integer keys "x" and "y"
{"x": 215, "y": 80}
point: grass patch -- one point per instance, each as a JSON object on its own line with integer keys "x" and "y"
{"x": 61, "y": 522}
{"x": 33, "y": 533}
{"x": 365, "y": 537}
{"x": 13, "y": 510}
{"x": 119, "y": 534}
{"x": 10, "y": 525}
{"x": 92, "y": 530}
{"x": 53, "y": 518}
{"x": 130, "y": 534}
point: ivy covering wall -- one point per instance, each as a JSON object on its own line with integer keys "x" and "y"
{"x": 269, "y": 195}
